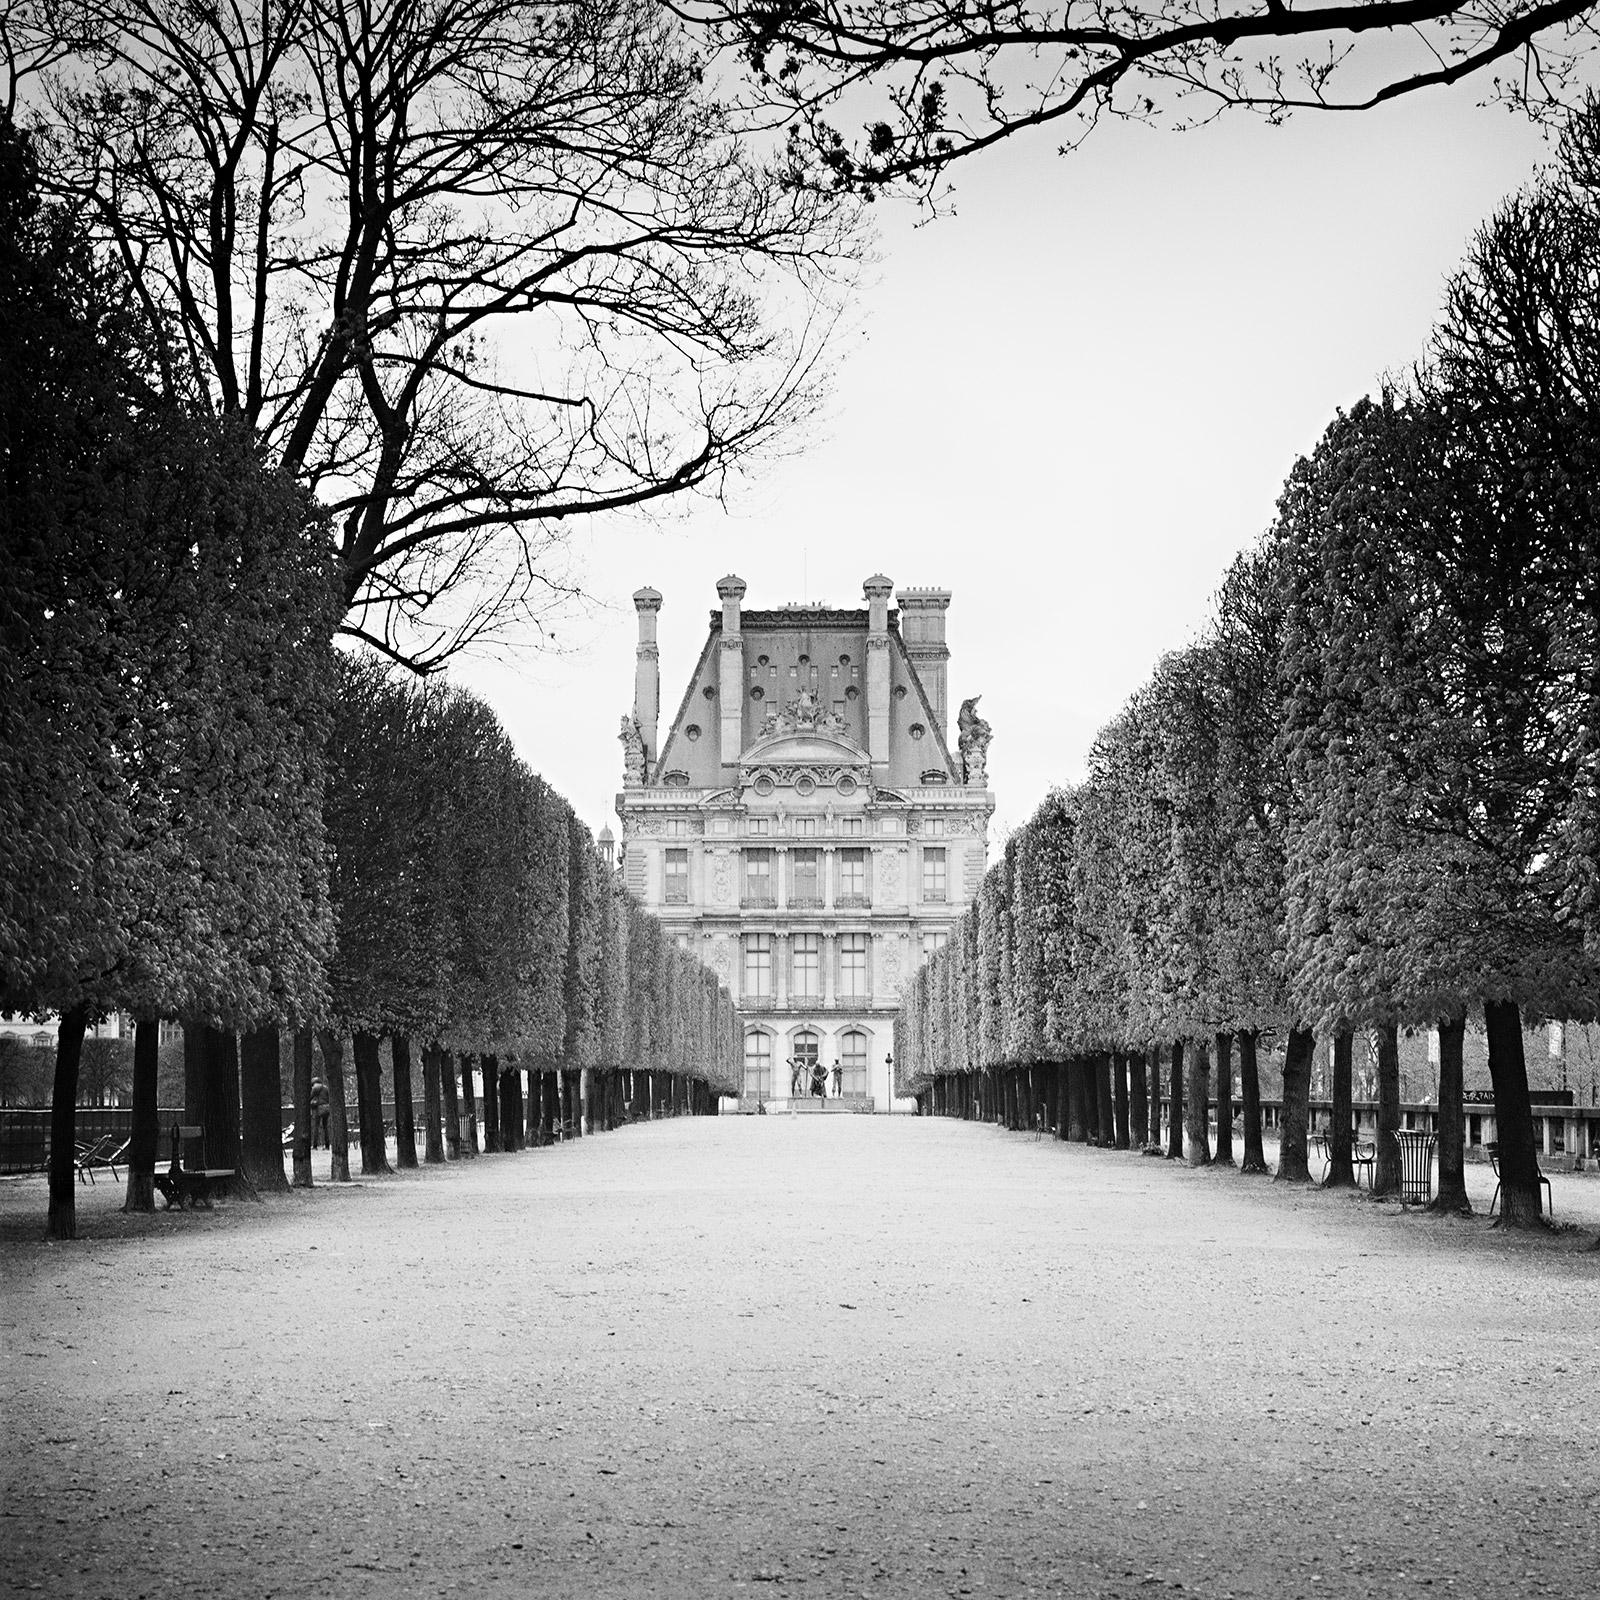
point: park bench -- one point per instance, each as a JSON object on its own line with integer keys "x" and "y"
{"x": 183, "y": 1183}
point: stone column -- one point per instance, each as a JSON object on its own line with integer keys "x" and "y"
{"x": 780, "y": 969}
{"x": 829, "y": 959}
{"x": 647, "y": 675}
{"x": 780, "y": 872}
{"x": 877, "y": 590}
{"x": 730, "y": 674}
{"x": 830, "y": 864}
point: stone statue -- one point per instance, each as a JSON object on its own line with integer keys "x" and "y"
{"x": 632, "y": 751}
{"x": 975, "y": 734}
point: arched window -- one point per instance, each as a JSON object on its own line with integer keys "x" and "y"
{"x": 853, "y": 1063}
{"x": 758, "y": 1064}
{"x": 806, "y": 1049}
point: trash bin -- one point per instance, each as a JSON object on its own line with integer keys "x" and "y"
{"x": 1416, "y": 1165}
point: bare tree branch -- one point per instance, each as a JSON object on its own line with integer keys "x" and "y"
{"x": 932, "y": 81}
{"x": 471, "y": 268}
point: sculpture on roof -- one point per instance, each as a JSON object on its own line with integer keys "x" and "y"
{"x": 975, "y": 734}
{"x": 632, "y": 751}
{"x": 805, "y": 713}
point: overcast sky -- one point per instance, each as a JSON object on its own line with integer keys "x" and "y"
{"x": 1071, "y": 403}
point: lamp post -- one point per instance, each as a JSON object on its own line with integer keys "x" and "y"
{"x": 888, "y": 1061}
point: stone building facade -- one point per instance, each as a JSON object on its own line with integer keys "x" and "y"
{"x": 805, "y": 824}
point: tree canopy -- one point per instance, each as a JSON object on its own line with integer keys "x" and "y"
{"x": 1365, "y": 798}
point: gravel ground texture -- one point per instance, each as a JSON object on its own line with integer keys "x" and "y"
{"x": 826, "y": 1355}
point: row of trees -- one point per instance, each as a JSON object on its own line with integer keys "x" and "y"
{"x": 1367, "y": 797}
{"x": 475, "y": 914}
{"x": 209, "y": 813}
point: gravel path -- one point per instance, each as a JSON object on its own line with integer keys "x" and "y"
{"x": 844, "y": 1355}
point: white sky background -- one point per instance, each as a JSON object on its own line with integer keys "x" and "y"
{"x": 1071, "y": 403}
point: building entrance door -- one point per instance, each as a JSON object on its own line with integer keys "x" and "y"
{"x": 806, "y": 1066}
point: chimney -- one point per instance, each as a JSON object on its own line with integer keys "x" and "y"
{"x": 730, "y": 672}
{"x": 647, "y": 674}
{"x": 922, "y": 632}
{"x": 877, "y": 589}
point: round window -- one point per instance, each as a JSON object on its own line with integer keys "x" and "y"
{"x": 805, "y": 786}
{"x": 917, "y": 730}
{"x": 763, "y": 786}
{"x": 758, "y": 693}
{"x": 847, "y": 784}
{"x": 692, "y": 731}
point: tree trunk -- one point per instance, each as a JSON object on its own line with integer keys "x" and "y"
{"x": 302, "y": 1109}
{"x": 1452, "y": 1195}
{"x": 1292, "y": 1165}
{"x": 469, "y": 1109}
{"x": 1139, "y": 1106}
{"x": 405, "y": 1112}
{"x": 338, "y": 1115}
{"x": 1104, "y": 1103}
{"x": 1175, "y": 1110}
{"x": 261, "y": 1120}
{"x": 369, "y": 1103}
{"x": 1341, "y": 1168}
{"x": 491, "y": 1104}
{"x": 432, "y": 1106}
{"x": 1197, "y": 1104}
{"x": 510, "y": 1108}
{"x": 61, "y": 1219}
{"x": 1119, "y": 1090}
{"x": 450, "y": 1089}
{"x": 1520, "y": 1199}
{"x": 1386, "y": 1169}
{"x": 144, "y": 1139}
{"x": 219, "y": 1111}
{"x": 586, "y": 1111}
{"x": 1077, "y": 1130}
{"x": 1255, "y": 1159}
{"x": 1223, "y": 1157}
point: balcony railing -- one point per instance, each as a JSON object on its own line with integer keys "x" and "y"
{"x": 800, "y": 1002}
{"x": 805, "y": 902}
{"x": 757, "y": 900}
{"x": 854, "y": 901}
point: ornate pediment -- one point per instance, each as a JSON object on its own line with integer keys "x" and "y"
{"x": 805, "y": 736}
{"x": 805, "y": 761}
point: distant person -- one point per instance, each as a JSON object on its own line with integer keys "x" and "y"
{"x": 819, "y": 1080}
{"x": 320, "y": 1102}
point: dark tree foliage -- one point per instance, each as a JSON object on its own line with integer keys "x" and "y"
{"x": 1366, "y": 799}
{"x": 165, "y": 612}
